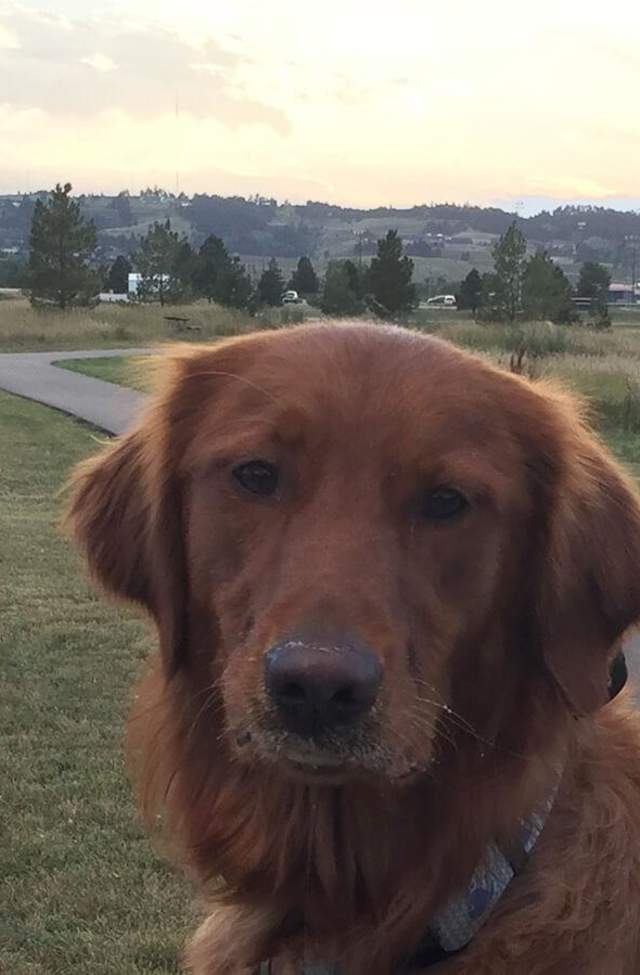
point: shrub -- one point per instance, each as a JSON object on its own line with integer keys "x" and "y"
{"x": 536, "y": 339}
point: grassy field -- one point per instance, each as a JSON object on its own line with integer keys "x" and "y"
{"x": 80, "y": 892}
{"x": 602, "y": 367}
{"x": 23, "y": 328}
{"x": 122, "y": 370}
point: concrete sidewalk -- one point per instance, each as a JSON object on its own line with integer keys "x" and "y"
{"x": 109, "y": 407}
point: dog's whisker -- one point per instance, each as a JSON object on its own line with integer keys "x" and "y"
{"x": 244, "y": 380}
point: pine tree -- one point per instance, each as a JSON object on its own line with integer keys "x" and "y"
{"x": 304, "y": 279}
{"x": 509, "y": 256}
{"x": 470, "y": 292}
{"x": 184, "y": 264}
{"x": 593, "y": 283}
{"x": 234, "y": 288}
{"x": 546, "y": 290}
{"x": 271, "y": 284}
{"x": 212, "y": 262}
{"x": 61, "y": 243}
{"x": 339, "y": 296}
{"x": 390, "y": 276}
{"x": 220, "y": 277}
{"x": 491, "y": 300}
{"x": 118, "y": 276}
{"x": 157, "y": 262}
{"x": 358, "y": 275}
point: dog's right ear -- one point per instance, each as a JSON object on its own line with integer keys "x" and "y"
{"x": 130, "y": 532}
{"x": 109, "y": 519}
{"x": 127, "y": 507}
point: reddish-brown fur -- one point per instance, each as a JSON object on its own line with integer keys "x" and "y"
{"x": 509, "y": 616}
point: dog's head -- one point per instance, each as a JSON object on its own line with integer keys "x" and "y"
{"x": 360, "y": 542}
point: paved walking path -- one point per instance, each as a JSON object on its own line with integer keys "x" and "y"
{"x": 33, "y": 375}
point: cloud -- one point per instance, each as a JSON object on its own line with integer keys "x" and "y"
{"x": 441, "y": 101}
{"x": 8, "y": 39}
{"x": 99, "y": 61}
{"x": 143, "y": 70}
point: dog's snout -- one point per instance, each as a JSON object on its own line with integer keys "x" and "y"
{"x": 316, "y": 688}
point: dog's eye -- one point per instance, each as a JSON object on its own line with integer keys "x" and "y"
{"x": 443, "y": 503}
{"x": 257, "y": 476}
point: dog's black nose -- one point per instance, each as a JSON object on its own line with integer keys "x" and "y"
{"x": 317, "y": 688}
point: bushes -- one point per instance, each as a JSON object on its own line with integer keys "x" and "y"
{"x": 282, "y": 317}
{"x": 537, "y": 339}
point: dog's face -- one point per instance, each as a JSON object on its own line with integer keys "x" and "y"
{"x": 349, "y": 532}
{"x": 356, "y": 539}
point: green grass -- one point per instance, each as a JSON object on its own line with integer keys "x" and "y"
{"x": 81, "y": 892}
{"x": 626, "y": 447}
{"x": 122, "y": 370}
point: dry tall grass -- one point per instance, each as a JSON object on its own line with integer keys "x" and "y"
{"x": 23, "y": 328}
{"x": 604, "y": 367}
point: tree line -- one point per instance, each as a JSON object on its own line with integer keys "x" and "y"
{"x": 170, "y": 270}
{"x": 533, "y": 287}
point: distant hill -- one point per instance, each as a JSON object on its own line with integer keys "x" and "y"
{"x": 445, "y": 240}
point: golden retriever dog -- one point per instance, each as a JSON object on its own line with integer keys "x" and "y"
{"x": 389, "y": 583}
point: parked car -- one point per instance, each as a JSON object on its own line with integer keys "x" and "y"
{"x": 290, "y": 298}
{"x": 444, "y": 301}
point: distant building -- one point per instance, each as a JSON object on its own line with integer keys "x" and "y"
{"x": 624, "y": 294}
{"x": 135, "y": 280}
{"x": 112, "y": 296}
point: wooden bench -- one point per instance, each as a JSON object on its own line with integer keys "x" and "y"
{"x": 181, "y": 324}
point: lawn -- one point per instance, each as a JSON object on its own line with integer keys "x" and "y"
{"x": 122, "y": 370}
{"x": 81, "y": 891}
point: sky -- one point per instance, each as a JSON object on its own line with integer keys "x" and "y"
{"x": 340, "y": 101}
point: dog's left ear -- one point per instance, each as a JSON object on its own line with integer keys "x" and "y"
{"x": 589, "y": 575}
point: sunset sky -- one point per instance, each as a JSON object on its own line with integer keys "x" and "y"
{"x": 343, "y": 101}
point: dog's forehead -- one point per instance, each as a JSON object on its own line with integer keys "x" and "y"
{"x": 388, "y": 385}
{"x": 356, "y": 396}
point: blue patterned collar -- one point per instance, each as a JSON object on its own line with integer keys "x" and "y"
{"x": 459, "y": 921}
{"x": 455, "y": 926}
